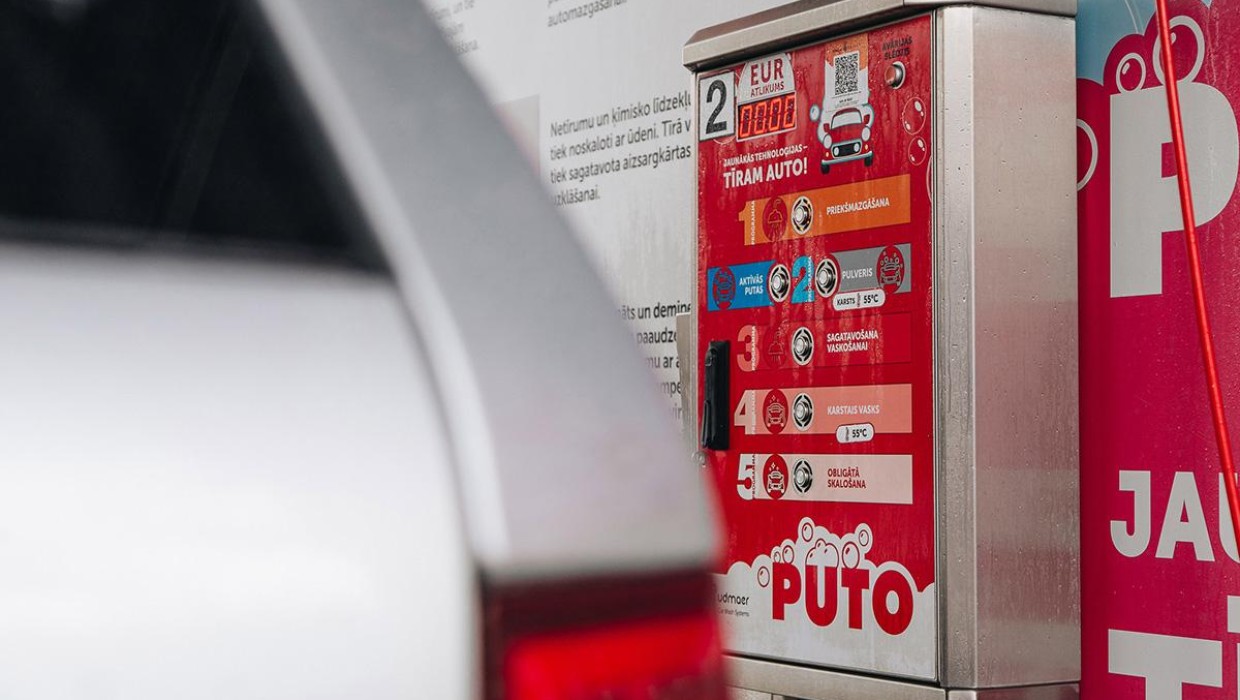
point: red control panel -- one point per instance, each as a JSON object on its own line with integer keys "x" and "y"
{"x": 815, "y": 267}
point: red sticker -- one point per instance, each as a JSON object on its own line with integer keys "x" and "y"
{"x": 890, "y": 269}
{"x": 775, "y": 477}
{"x": 775, "y": 412}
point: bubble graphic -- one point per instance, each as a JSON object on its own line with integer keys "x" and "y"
{"x": 851, "y": 555}
{"x": 1179, "y": 41}
{"x": 913, "y": 118}
{"x": 1126, "y": 75}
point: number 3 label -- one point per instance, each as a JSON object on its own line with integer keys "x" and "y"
{"x": 716, "y": 106}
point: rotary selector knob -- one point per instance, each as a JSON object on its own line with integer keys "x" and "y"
{"x": 781, "y": 282}
{"x": 826, "y": 277}
{"x": 802, "y": 346}
{"x": 803, "y": 411}
{"x": 802, "y": 215}
{"x": 802, "y": 476}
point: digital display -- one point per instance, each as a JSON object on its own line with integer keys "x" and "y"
{"x": 765, "y": 117}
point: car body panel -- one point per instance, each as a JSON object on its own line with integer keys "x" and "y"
{"x": 222, "y": 479}
{"x": 568, "y": 458}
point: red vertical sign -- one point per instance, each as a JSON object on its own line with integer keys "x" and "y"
{"x": 1161, "y": 588}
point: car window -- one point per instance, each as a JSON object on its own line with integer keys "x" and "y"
{"x": 846, "y": 118}
{"x": 156, "y": 122}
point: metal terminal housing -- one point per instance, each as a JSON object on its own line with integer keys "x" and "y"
{"x": 1005, "y": 327}
{"x": 807, "y": 21}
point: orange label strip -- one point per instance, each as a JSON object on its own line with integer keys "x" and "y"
{"x": 838, "y": 209}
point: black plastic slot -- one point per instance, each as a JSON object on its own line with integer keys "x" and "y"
{"x": 715, "y": 396}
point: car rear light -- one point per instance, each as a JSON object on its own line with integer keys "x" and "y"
{"x": 644, "y": 639}
{"x": 675, "y": 659}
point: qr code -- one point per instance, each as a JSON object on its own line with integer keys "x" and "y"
{"x": 846, "y": 68}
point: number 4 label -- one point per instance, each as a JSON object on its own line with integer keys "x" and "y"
{"x": 716, "y": 106}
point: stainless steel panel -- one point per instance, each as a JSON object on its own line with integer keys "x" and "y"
{"x": 738, "y": 694}
{"x": 805, "y": 683}
{"x": 560, "y": 435}
{"x": 223, "y": 480}
{"x": 1006, "y": 364}
{"x": 801, "y": 22}
{"x": 1067, "y": 691}
{"x": 685, "y": 352}
{"x": 690, "y": 392}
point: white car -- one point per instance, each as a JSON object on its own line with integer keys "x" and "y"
{"x": 288, "y": 408}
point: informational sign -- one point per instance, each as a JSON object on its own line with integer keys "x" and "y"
{"x": 1160, "y": 579}
{"x": 814, "y": 252}
{"x": 596, "y": 93}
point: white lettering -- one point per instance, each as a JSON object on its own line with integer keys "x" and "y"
{"x": 1184, "y": 501}
{"x": 1144, "y": 203}
{"x": 1166, "y": 663}
{"x": 1134, "y": 542}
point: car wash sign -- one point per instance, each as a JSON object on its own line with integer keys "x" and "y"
{"x": 814, "y": 248}
{"x": 1161, "y": 582}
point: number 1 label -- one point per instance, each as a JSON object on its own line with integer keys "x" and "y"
{"x": 716, "y": 106}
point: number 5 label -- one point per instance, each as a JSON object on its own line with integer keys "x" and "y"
{"x": 716, "y": 106}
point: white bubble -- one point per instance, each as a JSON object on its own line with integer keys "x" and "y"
{"x": 864, "y": 537}
{"x": 1125, "y": 65}
{"x": 1198, "y": 60}
{"x": 852, "y": 555}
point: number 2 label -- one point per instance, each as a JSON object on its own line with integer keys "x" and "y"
{"x": 716, "y": 106}
{"x": 802, "y": 275}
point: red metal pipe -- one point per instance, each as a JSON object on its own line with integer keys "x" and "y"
{"x": 1194, "y": 266}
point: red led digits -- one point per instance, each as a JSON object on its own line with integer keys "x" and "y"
{"x": 790, "y": 112}
{"x": 759, "y": 117}
{"x": 773, "y": 115}
{"x": 745, "y": 130}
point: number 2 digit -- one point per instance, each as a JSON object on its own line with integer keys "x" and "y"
{"x": 718, "y": 107}
{"x": 802, "y": 273}
{"x": 713, "y": 125}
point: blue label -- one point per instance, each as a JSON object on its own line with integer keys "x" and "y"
{"x": 738, "y": 286}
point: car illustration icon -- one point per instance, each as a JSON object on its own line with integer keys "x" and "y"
{"x": 775, "y": 482}
{"x": 845, "y": 135}
{"x": 890, "y": 272}
{"x": 776, "y": 414}
{"x": 890, "y": 268}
